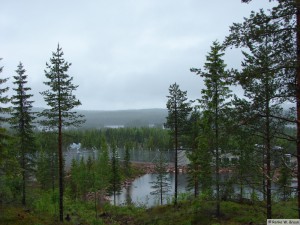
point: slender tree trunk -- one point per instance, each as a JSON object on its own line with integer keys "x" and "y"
{"x": 298, "y": 101}
{"x": 60, "y": 159}
{"x": 114, "y": 196}
{"x": 60, "y": 155}
{"x": 217, "y": 176}
{"x": 161, "y": 192}
{"x": 176, "y": 154}
{"x": 268, "y": 159}
{"x": 52, "y": 171}
{"x": 196, "y": 182}
{"x": 263, "y": 174}
{"x": 23, "y": 179}
{"x": 217, "y": 153}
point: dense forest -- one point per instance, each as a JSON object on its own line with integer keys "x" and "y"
{"x": 253, "y": 137}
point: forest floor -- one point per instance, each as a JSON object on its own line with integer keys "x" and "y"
{"x": 186, "y": 212}
{"x": 43, "y": 211}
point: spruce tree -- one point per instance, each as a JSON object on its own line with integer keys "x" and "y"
{"x": 178, "y": 112}
{"x": 115, "y": 181}
{"x": 9, "y": 168}
{"x": 61, "y": 100}
{"x": 22, "y": 122}
{"x": 215, "y": 104}
{"x": 4, "y": 99}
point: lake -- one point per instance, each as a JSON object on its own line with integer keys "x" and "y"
{"x": 139, "y": 191}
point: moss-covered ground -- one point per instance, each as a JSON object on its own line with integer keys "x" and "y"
{"x": 186, "y": 212}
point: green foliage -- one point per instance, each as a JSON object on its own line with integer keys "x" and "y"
{"x": 4, "y": 99}
{"x": 60, "y": 95}
{"x": 266, "y": 82}
{"x": 215, "y": 105}
{"x": 284, "y": 180}
{"x": 127, "y": 164}
{"x": 61, "y": 100}
{"x": 115, "y": 180}
{"x": 161, "y": 185}
{"x": 9, "y": 167}
{"x": 103, "y": 171}
{"x": 46, "y": 202}
{"x": 178, "y": 111}
{"x": 22, "y": 123}
{"x": 137, "y": 138}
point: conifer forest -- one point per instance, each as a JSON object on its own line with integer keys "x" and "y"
{"x": 222, "y": 158}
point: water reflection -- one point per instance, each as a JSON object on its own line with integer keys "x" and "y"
{"x": 138, "y": 192}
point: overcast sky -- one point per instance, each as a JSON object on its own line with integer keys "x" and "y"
{"x": 124, "y": 53}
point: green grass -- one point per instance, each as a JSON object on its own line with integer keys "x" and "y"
{"x": 198, "y": 212}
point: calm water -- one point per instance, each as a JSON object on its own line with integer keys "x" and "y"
{"x": 139, "y": 191}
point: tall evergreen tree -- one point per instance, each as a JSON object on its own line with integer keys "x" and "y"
{"x": 115, "y": 181}
{"x": 214, "y": 103}
{"x": 178, "y": 112}
{"x": 22, "y": 122}
{"x": 61, "y": 100}
{"x": 264, "y": 80}
{"x": 8, "y": 165}
{"x": 4, "y": 99}
{"x": 286, "y": 15}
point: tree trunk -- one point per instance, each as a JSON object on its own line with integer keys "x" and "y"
{"x": 217, "y": 152}
{"x": 60, "y": 159}
{"x": 60, "y": 155}
{"x": 298, "y": 101}
{"x": 23, "y": 179}
{"x": 268, "y": 159}
{"x": 176, "y": 154}
{"x": 196, "y": 182}
{"x": 161, "y": 191}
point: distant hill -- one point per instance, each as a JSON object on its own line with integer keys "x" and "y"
{"x": 118, "y": 118}
{"x": 126, "y": 118}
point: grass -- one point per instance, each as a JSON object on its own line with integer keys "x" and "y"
{"x": 198, "y": 212}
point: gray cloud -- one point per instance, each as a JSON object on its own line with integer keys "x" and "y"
{"x": 124, "y": 54}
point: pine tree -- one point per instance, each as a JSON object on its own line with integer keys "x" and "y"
{"x": 287, "y": 18}
{"x": 22, "y": 122}
{"x": 61, "y": 100}
{"x": 214, "y": 103}
{"x": 178, "y": 111}
{"x": 161, "y": 185}
{"x": 267, "y": 83}
{"x": 115, "y": 181}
